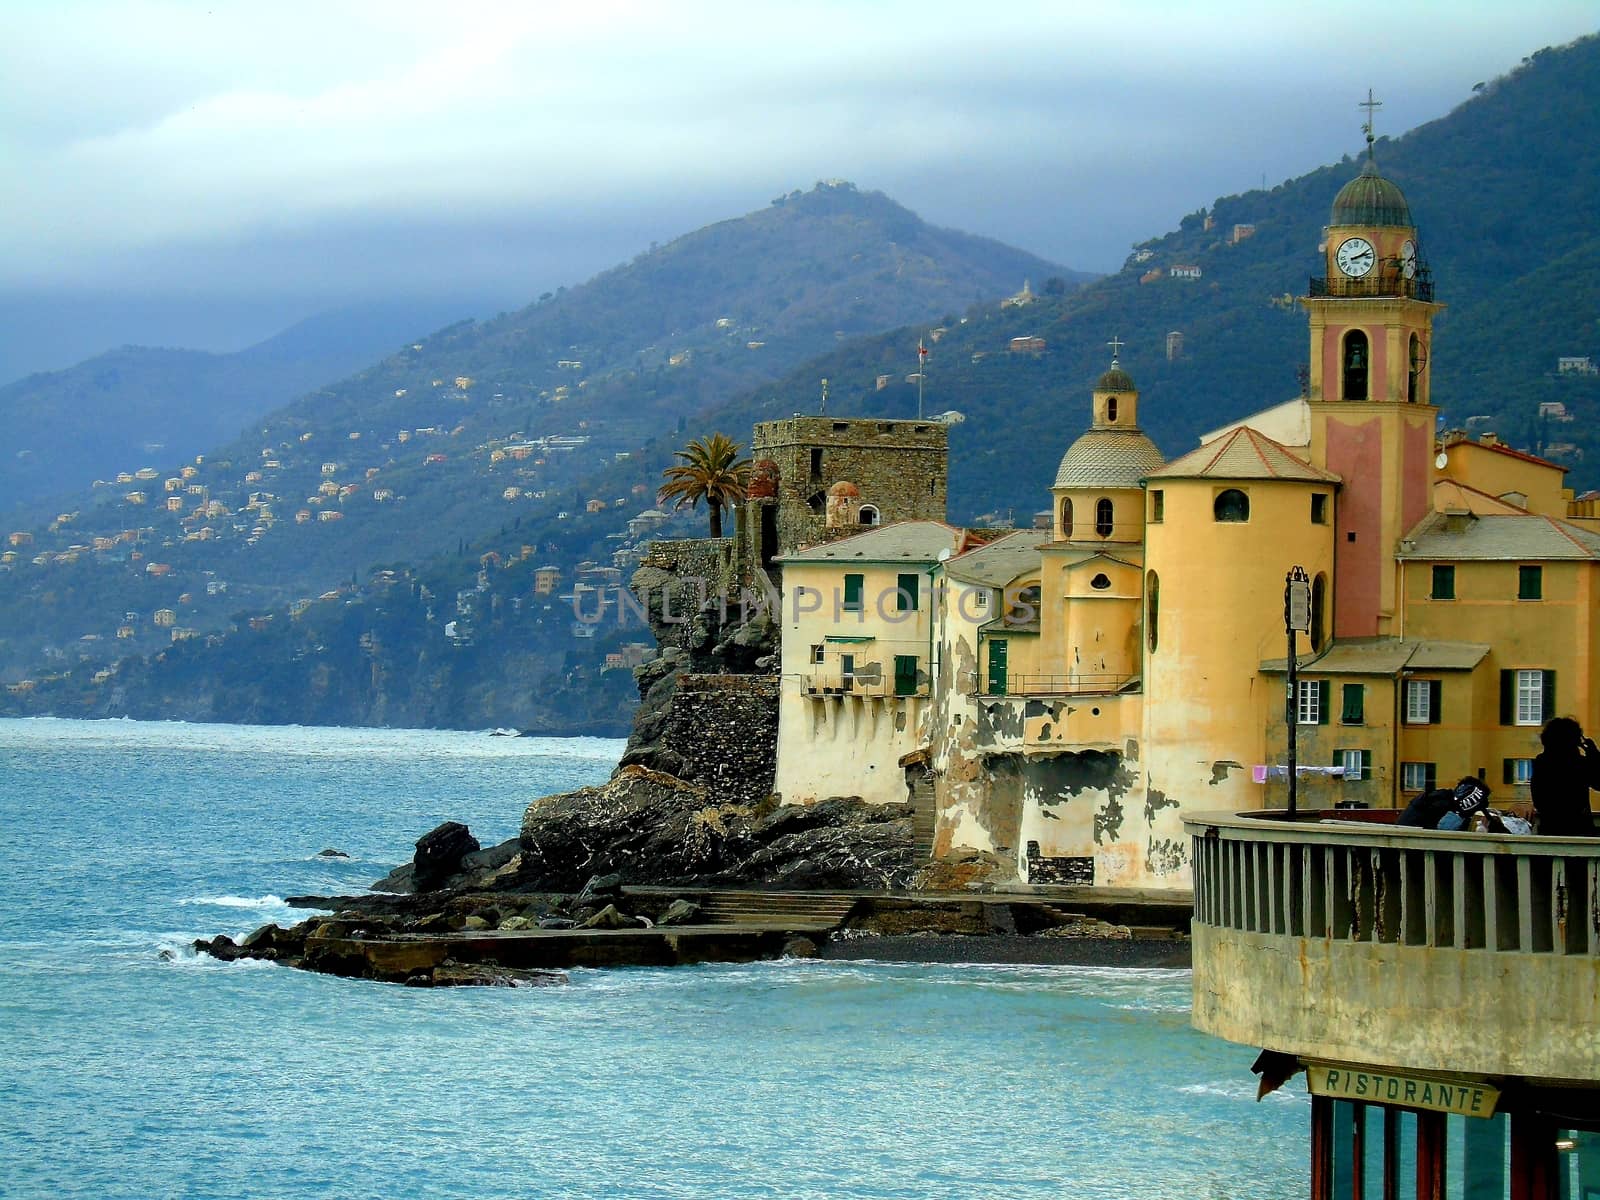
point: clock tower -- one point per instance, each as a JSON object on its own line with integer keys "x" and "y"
{"x": 1371, "y": 315}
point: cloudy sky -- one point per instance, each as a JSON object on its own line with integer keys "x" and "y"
{"x": 201, "y": 174}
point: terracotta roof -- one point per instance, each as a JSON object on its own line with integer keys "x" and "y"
{"x": 1497, "y": 448}
{"x": 1244, "y": 453}
{"x": 1108, "y": 458}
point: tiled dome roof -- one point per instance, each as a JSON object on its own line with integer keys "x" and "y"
{"x": 1115, "y": 380}
{"x": 1370, "y": 199}
{"x": 1111, "y": 458}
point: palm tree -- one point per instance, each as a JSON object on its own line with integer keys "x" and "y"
{"x": 712, "y": 471}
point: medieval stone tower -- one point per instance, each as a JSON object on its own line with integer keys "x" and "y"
{"x": 816, "y": 479}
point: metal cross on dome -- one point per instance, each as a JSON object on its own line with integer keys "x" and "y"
{"x": 1116, "y": 345}
{"x": 1372, "y": 106}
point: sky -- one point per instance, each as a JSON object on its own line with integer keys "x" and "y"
{"x": 202, "y": 175}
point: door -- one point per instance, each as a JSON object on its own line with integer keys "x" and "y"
{"x": 997, "y": 666}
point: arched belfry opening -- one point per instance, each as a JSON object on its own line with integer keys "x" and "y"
{"x": 1355, "y": 362}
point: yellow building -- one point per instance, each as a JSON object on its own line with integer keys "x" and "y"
{"x": 857, "y": 634}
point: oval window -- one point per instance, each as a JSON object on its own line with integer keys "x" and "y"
{"x": 1066, "y": 519}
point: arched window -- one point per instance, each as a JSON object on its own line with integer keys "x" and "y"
{"x": 1152, "y": 603}
{"x": 1102, "y": 516}
{"x": 1100, "y": 582}
{"x": 1066, "y": 519}
{"x": 1355, "y": 366}
{"x": 1024, "y": 606}
{"x": 1111, "y": 410}
{"x": 818, "y": 502}
{"x": 1414, "y": 370}
{"x": 1231, "y": 505}
{"x": 869, "y": 514}
{"x": 1319, "y": 604}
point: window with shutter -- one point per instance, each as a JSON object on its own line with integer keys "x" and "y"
{"x": 852, "y": 593}
{"x": 1353, "y": 710}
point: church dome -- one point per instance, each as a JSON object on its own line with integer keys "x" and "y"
{"x": 843, "y": 489}
{"x": 1370, "y": 199}
{"x": 1108, "y": 458}
{"x": 1114, "y": 380}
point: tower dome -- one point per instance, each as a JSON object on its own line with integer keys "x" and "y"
{"x": 1370, "y": 199}
{"x": 1115, "y": 380}
{"x": 1108, "y": 458}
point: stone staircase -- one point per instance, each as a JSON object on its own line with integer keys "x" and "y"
{"x": 800, "y": 913}
{"x": 923, "y": 817}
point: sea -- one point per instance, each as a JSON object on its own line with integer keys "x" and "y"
{"x": 130, "y": 1067}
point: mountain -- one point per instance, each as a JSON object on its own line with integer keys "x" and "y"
{"x": 1504, "y": 190}
{"x": 136, "y": 405}
{"x": 486, "y": 432}
{"x": 595, "y": 387}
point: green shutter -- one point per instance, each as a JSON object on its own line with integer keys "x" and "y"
{"x": 1355, "y": 704}
{"x": 1508, "y": 697}
{"x": 1324, "y": 688}
{"x": 997, "y": 666}
{"x": 906, "y": 601}
{"x": 1435, "y": 700}
{"x": 1430, "y": 776}
{"x": 1366, "y": 764}
{"x": 852, "y": 592}
{"x": 1508, "y": 773}
{"x": 905, "y": 674}
{"x": 1549, "y": 696}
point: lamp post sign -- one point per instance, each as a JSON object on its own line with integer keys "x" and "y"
{"x": 1296, "y": 619}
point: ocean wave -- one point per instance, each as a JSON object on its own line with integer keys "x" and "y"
{"x": 235, "y": 901}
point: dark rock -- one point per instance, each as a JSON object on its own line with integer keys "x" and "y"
{"x": 610, "y": 917}
{"x": 556, "y": 923}
{"x": 475, "y": 923}
{"x": 800, "y": 947}
{"x": 332, "y": 854}
{"x": 272, "y": 941}
{"x": 597, "y": 886}
{"x": 402, "y": 880}
{"x": 454, "y": 974}
{"x": 680, "y": 912}
{"x": 220, "y": 946}
{"x": 439, "y": 854}
{"x": 167, "y": 956}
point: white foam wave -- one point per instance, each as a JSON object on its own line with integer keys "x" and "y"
{"x": 235, "y": 901}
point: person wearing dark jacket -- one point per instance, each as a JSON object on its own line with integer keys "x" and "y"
{"x": 1562, "y": 777}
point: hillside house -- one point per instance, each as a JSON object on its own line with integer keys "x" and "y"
{"x": 330, "y": 515}
{"x": 1240, "y": 233}
{"x": 1027, "y": 344}
{"x": 1184, "y": 271}
{"x": 20, "y": 538}
{"x": 1575, "y": 364}
{"x": 1150, "y": 276}
{"x": 165, "y": 618}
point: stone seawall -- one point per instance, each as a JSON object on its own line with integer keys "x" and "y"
{"x": 725, "y": 728}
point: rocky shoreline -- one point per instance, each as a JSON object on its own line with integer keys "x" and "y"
{"x": 685, "y": 855}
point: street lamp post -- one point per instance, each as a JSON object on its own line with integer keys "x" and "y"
{"x": 1296, "y": 619}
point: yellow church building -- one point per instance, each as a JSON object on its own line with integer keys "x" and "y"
{"x": 1063, "y": 697}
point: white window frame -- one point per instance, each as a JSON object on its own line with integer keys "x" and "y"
{"x": 1418, "y": 693}
{"x": 1414, "y": 776}
{"x": 1529, "y": 697}
{"x": 1307, "y": 702}
{"x": 1521, "y": 771}
{"x": 1350, "y": 760}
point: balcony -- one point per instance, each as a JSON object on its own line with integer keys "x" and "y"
{"x": 1381, "y": 283}
{"x": 820, "y": 685}
{"x": 1344, "y": 937}
{"x": 1073, "y": 684}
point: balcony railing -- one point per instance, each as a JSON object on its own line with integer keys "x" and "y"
{"x": 1075, "y": 684}
{"x": 1360, "y": 940}
{"x": 1380, "y": 283}
{"x": 861, "y": 685}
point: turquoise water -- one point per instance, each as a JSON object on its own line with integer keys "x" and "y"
{"x": 125, "y": 1076}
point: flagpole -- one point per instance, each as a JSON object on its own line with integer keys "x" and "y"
{"x": 922, "y": 370}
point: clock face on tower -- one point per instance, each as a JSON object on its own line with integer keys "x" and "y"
{"x": 1355, "y": 256}
{"x": 1408, "y": 259}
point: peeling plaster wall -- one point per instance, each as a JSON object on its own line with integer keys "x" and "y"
{"x": 844, "y": 745}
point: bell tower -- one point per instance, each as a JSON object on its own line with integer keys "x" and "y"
{"x": 1371, "y": 316}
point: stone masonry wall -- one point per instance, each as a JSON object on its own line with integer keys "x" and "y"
{"x": 725, "y": 728}
{"x": 900, "y": 467}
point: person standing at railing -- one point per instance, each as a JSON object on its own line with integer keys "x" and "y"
{"x": 1562, "y": 777}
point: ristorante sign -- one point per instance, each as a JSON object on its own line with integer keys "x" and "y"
{"x": 1464, "y": 1097}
